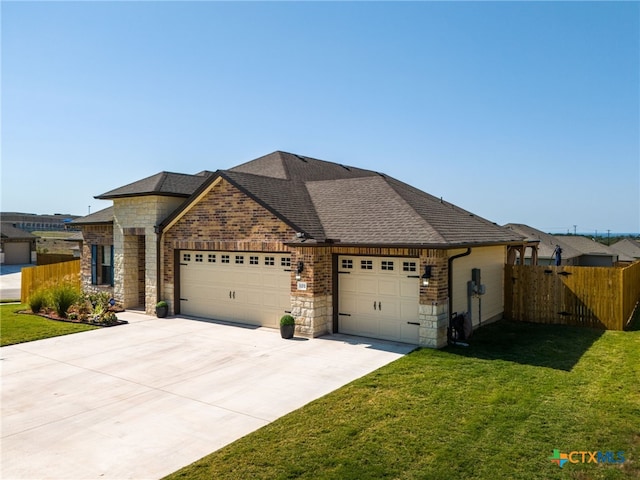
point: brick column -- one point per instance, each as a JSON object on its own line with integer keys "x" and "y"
{"x": 433, "y": 308}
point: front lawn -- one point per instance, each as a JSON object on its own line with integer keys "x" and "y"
{"x": 19, "y": 328}
{"x": 495, "y": 410}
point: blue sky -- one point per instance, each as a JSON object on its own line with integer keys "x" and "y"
{"x": 525, "y": 112}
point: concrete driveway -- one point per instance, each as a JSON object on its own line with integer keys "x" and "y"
{"x": 140, "y": 401}
{"x": 10, "y": 281}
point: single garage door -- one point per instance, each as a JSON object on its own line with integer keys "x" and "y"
{"x": 17, "y": 253}
{"x": 378, "y": 297}
{"x": 245, "y": 287}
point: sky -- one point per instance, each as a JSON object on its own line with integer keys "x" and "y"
{"x": 523, "y": 112}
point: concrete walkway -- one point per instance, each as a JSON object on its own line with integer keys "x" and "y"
{"x": 140, "y": 401}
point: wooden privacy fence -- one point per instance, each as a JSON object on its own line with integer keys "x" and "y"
{"x": 49, "y": 258}
{"x": 48, "y": 275}
{"x": 601, "y": 297}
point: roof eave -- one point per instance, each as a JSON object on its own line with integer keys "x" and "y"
{"x": 143, "y": 194}
{"x": 439, "y": 246}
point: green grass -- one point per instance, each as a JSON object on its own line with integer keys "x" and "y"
{"x": 19, "y": 328}
{"x": 495, "y": 410}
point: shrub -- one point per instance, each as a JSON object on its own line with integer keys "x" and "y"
{"x": 63, "y": 296}
{"x": 287, "y": 320}
{"x": 37, "y": 301}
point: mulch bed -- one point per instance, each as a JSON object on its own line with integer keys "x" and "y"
{"x": 57, "y": 318}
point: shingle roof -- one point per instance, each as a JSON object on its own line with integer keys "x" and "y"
{"x": 163, "y": 183}
{"x": 330, "y": 201}
{"x": 587, "y": 246}
{"x": 627, "y": 248}
{"x": 99, "y": 217}
{"x": 7, "y": 230}
{"x": 572, "y": 246}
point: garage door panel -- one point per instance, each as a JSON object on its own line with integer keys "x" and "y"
{"x": 388, "y": 286}
{"x": 242, "y": 287}
{"x": 384, "y": 283}
{"x": 348, "y": 284}
{"x": 366, "y": 285}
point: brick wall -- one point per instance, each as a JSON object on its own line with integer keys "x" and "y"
{"x": 223, "y": 219}
{"x": 93, "y": 235}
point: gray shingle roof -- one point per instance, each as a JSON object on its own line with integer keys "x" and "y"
{"x": 7, "y": 230}
{"x": 572, "y": 246}
{"x": 330, "y": 201}
{"x": 163, "y": 183}
{"x": 627, "y": 248}
{"x": 100, "y": 217}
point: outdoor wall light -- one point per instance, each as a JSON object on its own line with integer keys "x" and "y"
{"x": 299, "y": 270}
{"x": 426, "y": 275}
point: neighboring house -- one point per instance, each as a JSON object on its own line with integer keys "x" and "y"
{"x": 16, "y": 245}
{"x": 341, "y": 248}
{"x": 76, "y": 243}
{"x": 576, "y": 250}
{"x": 627, "y": 249}
{"x": 32, "y": 222}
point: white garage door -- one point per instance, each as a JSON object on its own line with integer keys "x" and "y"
{"x": 243, "y": 287}
{"x": 378, "y": 297}
{"x": 17, "y": 253}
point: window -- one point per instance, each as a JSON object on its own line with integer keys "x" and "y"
{"x": 224, "y": 258}
{"x": 387, "y": 265}
{"x": 199, "y": 257}
{"x": 269, "y": 260}
{"x": 366, "y": 265}
{"x": 102, "y": 265}
{"x": 212, "y": 258}
{"x": 347, "y": 263}
{"x": 186, "y": 257}
{"x": 285, "y": 261}
{"x": 408, "y": 266}
{"x": 239, "y": 259}
{"x": 253, "y": 260}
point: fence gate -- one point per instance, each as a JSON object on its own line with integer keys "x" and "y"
{"x": 600, "y": 297}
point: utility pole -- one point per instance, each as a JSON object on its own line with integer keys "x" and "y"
{"x": 574, "y": 229}
{"x": 89, "y": 209}
{"x": 608, "y": 238}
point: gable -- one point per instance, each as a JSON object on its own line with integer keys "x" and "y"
{"x": 225, "y": 217}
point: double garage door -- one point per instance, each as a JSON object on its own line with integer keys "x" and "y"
{"x": 378, "y": 297}
{"x": 243, "y": 287}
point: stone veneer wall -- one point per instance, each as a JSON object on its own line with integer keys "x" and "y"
{"x": 93, "y": 235}
{"x": 133, "y": 217}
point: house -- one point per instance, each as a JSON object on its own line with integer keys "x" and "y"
{"x": 31, "y": 222}
{"x": 575, "y": 250}
{"x": 628, "y": 250}
{"x": 17, "y": 246}
{"x": 343, "y": 249}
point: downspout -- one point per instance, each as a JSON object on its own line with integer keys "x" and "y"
{"x": 450, "y": 278}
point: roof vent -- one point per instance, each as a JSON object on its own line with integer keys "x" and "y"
{"x": 345, "y": 167}
{"x": 301, "y": 158}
